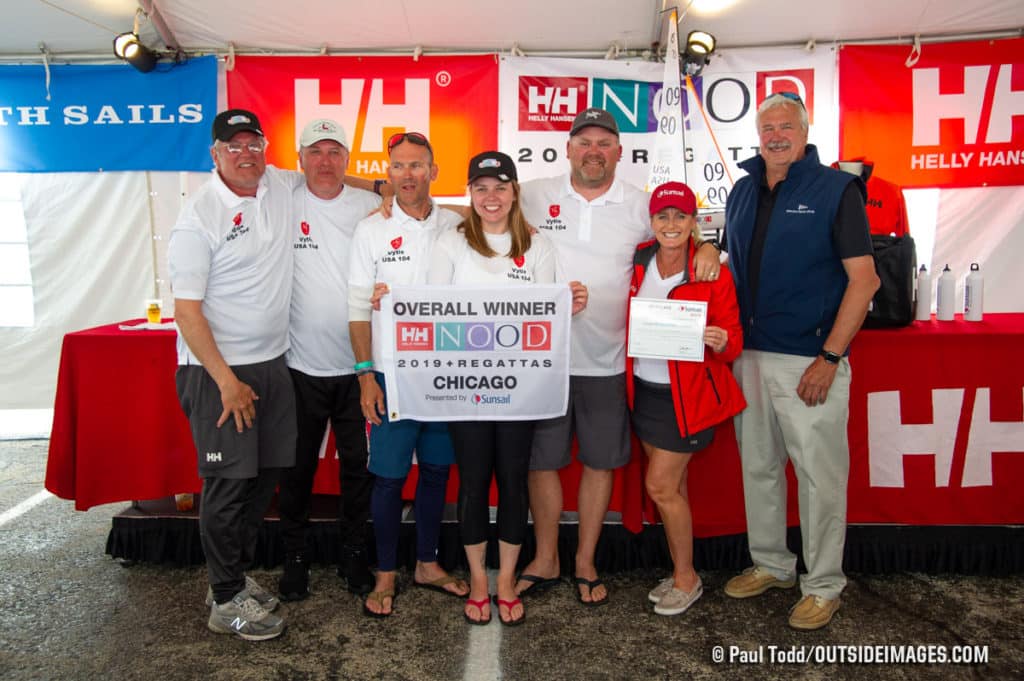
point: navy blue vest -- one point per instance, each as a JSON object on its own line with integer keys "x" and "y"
{"x": 802, "y": 279}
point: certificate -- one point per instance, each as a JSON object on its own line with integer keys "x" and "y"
{"x": 667, "y": 329}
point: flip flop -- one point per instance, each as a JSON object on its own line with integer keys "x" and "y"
{"x": 440, "y": 583}
{"x": 591, "y": 584}
{"x": 538, "y": 584}
{"x": 509, "y": 604}
{"x": 479, "y": 605}
{"x": 379, "y": 596}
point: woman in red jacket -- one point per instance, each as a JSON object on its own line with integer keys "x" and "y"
{"x": 676, "y": 404}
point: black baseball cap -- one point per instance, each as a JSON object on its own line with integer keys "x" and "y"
{"x": 233, "y": 121}
{"x": 594, "y": 116}
{"x": 492, "y": 164}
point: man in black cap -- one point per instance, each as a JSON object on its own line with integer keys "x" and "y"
{"x": 231, "y": 273}
{"x": 595, "y": 221}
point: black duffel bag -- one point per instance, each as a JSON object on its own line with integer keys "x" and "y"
{"x": 896, "y": 263}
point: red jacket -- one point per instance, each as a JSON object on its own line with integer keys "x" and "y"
{"x": 886, "y": 207}
{"x": 704, "y": 394}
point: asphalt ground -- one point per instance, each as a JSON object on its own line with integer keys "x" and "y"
{"x": 68, "y": 611}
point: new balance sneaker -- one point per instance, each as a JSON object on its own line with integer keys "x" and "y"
{"x": 658, "y": 592}
{"x": 267, "y": 600}
{"x": 754, "y": 581}
{"x": 354, "y": 570}
{"x": 244, "y": 617}
{"x": 294, "y": 582}
{"x": 677, "y": 601}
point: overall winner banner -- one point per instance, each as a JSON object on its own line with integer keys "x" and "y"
{"x": 480, "y": 353}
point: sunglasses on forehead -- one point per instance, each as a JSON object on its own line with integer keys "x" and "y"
{"x": 791, "y": 96}
{"x": 414, "y": 137}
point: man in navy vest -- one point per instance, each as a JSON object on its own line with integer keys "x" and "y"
{"x": 800, "y": 252}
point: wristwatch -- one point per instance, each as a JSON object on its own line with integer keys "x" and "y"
{"x": 830, "y": 357}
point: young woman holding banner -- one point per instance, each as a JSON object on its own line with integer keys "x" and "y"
{"x": 494, "y": 245}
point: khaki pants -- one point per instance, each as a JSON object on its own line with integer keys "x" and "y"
{"x": 777, "y": 426}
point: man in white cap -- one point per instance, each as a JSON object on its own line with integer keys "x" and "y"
{"x": 324, "y": 217}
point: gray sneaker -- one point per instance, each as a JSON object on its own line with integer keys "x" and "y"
{"x": 244, "y": 617}
{"x": 676, "y": 601}
{"x": 658, "y": 592}
{"x": 267, "y": 600}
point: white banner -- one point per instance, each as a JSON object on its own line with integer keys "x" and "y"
{"x": 539, "y": 97}
{"x": 469, "y": 353}
{"x": 669, "y": 163}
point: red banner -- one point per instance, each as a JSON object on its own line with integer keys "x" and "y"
{"x": 452, "y": 100}
{"x": 953, "y": 119}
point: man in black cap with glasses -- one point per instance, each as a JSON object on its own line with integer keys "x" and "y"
{"x": 231, "y": 273}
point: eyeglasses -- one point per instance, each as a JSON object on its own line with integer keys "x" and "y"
{"x": 255, "y": 147}
{"x": 414, "y": 137}
{"x": 791, "y": 96}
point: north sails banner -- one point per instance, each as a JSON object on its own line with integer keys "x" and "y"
{"x": 462, "y": 353}
{"x": 102, "y": 118}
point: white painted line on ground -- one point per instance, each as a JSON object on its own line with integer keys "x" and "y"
{"x": 484, "y": 645}
{"x": 25, "y": 506}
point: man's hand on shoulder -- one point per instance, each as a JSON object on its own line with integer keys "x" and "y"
{"x": 706, "y": 261}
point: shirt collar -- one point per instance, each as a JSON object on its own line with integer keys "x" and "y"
{"x": 615, "y": 193}
{"x": 229, "y": 198}
{"x": 400, "y": 218}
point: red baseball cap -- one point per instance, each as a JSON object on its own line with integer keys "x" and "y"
{"x": 674, "y": 195}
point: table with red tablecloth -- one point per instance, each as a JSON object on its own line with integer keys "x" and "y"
{"x": 936, "y": 431}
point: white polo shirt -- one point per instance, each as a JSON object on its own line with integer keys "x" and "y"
{"x": 453, "y": 261}
{"x": 234, "y": 254}
{"x": 595, "y": 242}
{"x": 393, "y": 251}
{"x": 321, "y": 233}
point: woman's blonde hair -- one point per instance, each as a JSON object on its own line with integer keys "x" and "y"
{"x": 473, "y": 228}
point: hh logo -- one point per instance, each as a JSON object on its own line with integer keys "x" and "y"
{"x": 305, "y": 228}
{"x": 889, "y": 440}
{"x": 550, "y": 103}
{"x": 411, "y": 112}
{"x": 520, "y": 261}
{"x": 396, "y": 243}
{"x": 554, "y": 210}
{"x": 415, "y": 336}
{"x": 987, "y": 105}
{"x": 237, "y": 220}
{"x": 214, "y": 457}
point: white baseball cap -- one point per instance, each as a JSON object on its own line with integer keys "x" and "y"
{"x": 322, "y": 129}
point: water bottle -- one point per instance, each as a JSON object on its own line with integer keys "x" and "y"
{"x": 974, "y": 294}
{"x": 945, "y": 302}
{"x": 923, "y": 309}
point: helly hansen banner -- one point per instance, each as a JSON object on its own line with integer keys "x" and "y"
{"x": 462, "y": 353}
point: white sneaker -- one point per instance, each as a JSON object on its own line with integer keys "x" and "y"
{"x": 267, "y": 600}
{"x": 677, "y": 601}
{"x": 658, "y": 592}
{"x": 244, "y": 617}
